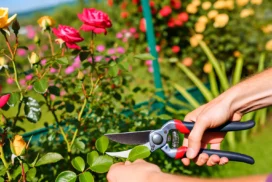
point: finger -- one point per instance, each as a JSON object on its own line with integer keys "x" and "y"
{"x": 223, "y": 160}
{"x": 185, "y": 141}
{"x": 213, "y": 160}
{"x": 202, "y": 159}
{"x": 194, "y": 139}
{"x": 215, "y": 146}
{"x": 139, "y": 161}
{"x": 127, "y": 163}
{"x": 185, "y": 161}
{"x": 117, "y": 164}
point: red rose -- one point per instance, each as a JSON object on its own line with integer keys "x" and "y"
{"x": 176, "y": 4}
{"x": 4, "y": 99}
{"x": 124, "y": 14}
{"x": 95, "y": 21}
{"x": 178, "y": 22}
{"x": 69, "y": 35}
{"x": 142, "y": 25}
{"x": 183, "y": 16}
{"x": 165, "y": 11}
{"x": 110, "y": 2}
{"x": 171, "y": 23}
{"x": 175, "y": 49}
{"x": 135, "y": 1}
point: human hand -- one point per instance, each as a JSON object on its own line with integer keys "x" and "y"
{"x": 210, "y": 115}
{"x": 132, "y": 172}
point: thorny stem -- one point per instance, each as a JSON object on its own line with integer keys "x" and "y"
{"x": 51, "y": 43}
{"x": 23, "y": 171}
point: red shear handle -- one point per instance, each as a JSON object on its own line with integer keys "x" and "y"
{"x": 181, "y": 127}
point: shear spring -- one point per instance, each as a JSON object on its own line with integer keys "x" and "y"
{"x": 175, "y": 139}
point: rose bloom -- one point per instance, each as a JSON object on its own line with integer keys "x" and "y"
{"x": 203, "y": 19}
{"x": 267, "y": 29}
{"x": 165, "y": 11}
{"x": 219, "y": 5}
{"x": 212, "y": 14}
{"x": 200, "y": 27}
{"x": 268, "y": 45}
{"x": 4, "y": 20}
{"x": 229, "y": 4}
{"x": 236, "y": 54}
{"x": 175, "y": 49}
{"x": 143, "y": 25}
{"x": 196, "y": 2}
{"x": 171, "y": 23}
{"x": 257, "y": 2}
{"x": 246, "y": 13}
{"x": 242, "y": 2}
{"x": 176, "y": 4}
{"x": 124, "y": 14}
{"x": 19, "y": 145}
{"x": 4, "y": 99}
{"x": 206, "y": 5}
{"x": 191, "y": 8}
{"x": 183, "y": 16}
{"x": 187, "y": 61}
{"x": 94, "y": 20}
{"x": 194, "y": 39}
{"x": 207, "y": 68}
{"x": 46, "y": 21}
{"x": 69, "y": 35}
{"x": 221, "y": 20}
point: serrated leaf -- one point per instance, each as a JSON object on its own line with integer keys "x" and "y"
{"x": 14, "y": 98}
{"x": 78, "y": 163}
{"x": 40, "y": 86}
{"x": 91, "y": 157}
{"x": 86, "y": 177}
{"x": 32, "y": 109}
{"x": 62, "y": 61}
{"x": 49, "y": 158}
{"x": 101, "y": 164}
{"x": 144, "y": 57}
{"x": 102, "y": 143}
{"x": 138, "y": 152}
{"x": 31, "y": 174}
{"x": 66, "y": 176}
{"x": 54, "y": 90}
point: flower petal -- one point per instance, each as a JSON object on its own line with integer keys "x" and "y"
{"x": 10, "y": 20}
{"x": 4, "y": 99}
{"x": 72, "y": 45}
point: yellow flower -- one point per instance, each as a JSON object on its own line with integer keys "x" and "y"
{"x": 267, "y": 29}
{"x": 34, "y": 58}
{"x": 200, "y": 27}
{"x": 206, "y": 5}
{"x": 246, "y": 12}
{"x": 212, "y": 14}
{"x": 219, "y": 4}
{"x": 19, "y": 145}
{"x": 188, "y": 61}
{"x": 242, "y": 2}
{"x": 194, "y": 39}
{"x": 236, "y": 54}
{"x": 3, "y": 63}
{"x": 268, "y": 45}
{"x": 46, "y": 21}
{"x": 229, "y": 4}
{"x": 4, "y": 20}
{"x": 207, "y": 68}
{"x": 191, "y": 8}
{"x": 257, "y": 2}
{"x": 196, "y": 2}
{"x": 203, "y": 19}
{"x": 221, "y": 20}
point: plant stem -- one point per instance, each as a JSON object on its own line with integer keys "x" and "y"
{"x": 5, "y": 162}
{"x": 23, "y": 171}
{"x": 51, "y": 43}
{"x": 18, "y": 112}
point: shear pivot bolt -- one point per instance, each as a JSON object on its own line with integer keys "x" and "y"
{"x": 157, "y": 139}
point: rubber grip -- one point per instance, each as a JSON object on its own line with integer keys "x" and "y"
{"x": 229, "y": 126}
{"x": 232, "y": 156}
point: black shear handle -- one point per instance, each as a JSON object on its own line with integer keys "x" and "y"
{"x": 185, "y": 127}
{"x": 232, "y": 156}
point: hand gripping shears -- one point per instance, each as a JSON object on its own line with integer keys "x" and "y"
{"x": 159, "y": 139}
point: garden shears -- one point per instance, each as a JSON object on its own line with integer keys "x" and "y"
{"x": 168, "y": 133}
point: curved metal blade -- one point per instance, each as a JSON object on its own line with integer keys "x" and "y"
{"x": 125, "y": 154}
{"x": 132, "y": 138}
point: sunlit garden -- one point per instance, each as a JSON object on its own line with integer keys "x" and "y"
{"x": 76, "y": 71}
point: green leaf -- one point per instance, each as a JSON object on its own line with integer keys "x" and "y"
{"x": 34, "y": 162}
{"x": 62, "y": 61}
{"x": 113, "y": 71}
{"x": 32, "y": 109}
{"x": 18, "y": 170}
{"x": 144, "y": 57}
{"x": 79, "y": 145}
{"x": 14, "y": 98}
{"x": 49, "y": 158}
{"x": 102, "y": 143}
{"x": 138, "y": 152}
{"x": 31, "y": 174}
{"x": 164, "y": 117}
{"x": 40, "y": 86}
{"x": 83, "y": 55}
{"x": 78, "y": 163}
{"x": 54, "y": 90}
{"x": 2, "y": 180}
{"x": 86, "y": 177}
{"x": 91, "y": 157}
{"x": 101, "y": 164}
{"x": 66, "y": 176}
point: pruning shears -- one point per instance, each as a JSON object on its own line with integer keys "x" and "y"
{"x": 168, "y": 133}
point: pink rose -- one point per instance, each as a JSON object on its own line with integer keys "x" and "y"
{"x": 69, "y": 35}
{"x": 165, "y": 11}
{"x": 183, "y": 16}
{"x": 4, "y": 99}
{"x": 95, "y": 21}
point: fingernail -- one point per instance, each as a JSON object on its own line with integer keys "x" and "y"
{"x": 190, "y": 153}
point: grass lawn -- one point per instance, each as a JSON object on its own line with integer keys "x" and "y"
{"x": 259, "y": 146}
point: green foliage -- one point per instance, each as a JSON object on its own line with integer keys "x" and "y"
{"x": 139, "y": 152}
{"x": 102, "y": 144}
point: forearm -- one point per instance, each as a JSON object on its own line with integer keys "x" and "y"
{"x": 251, "y": 94}
{"x": 175, "y": 178}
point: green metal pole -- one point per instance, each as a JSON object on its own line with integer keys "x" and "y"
{"x": 152, "y": 46}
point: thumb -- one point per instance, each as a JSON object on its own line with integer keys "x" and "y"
{"x": 194, "y": 139}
